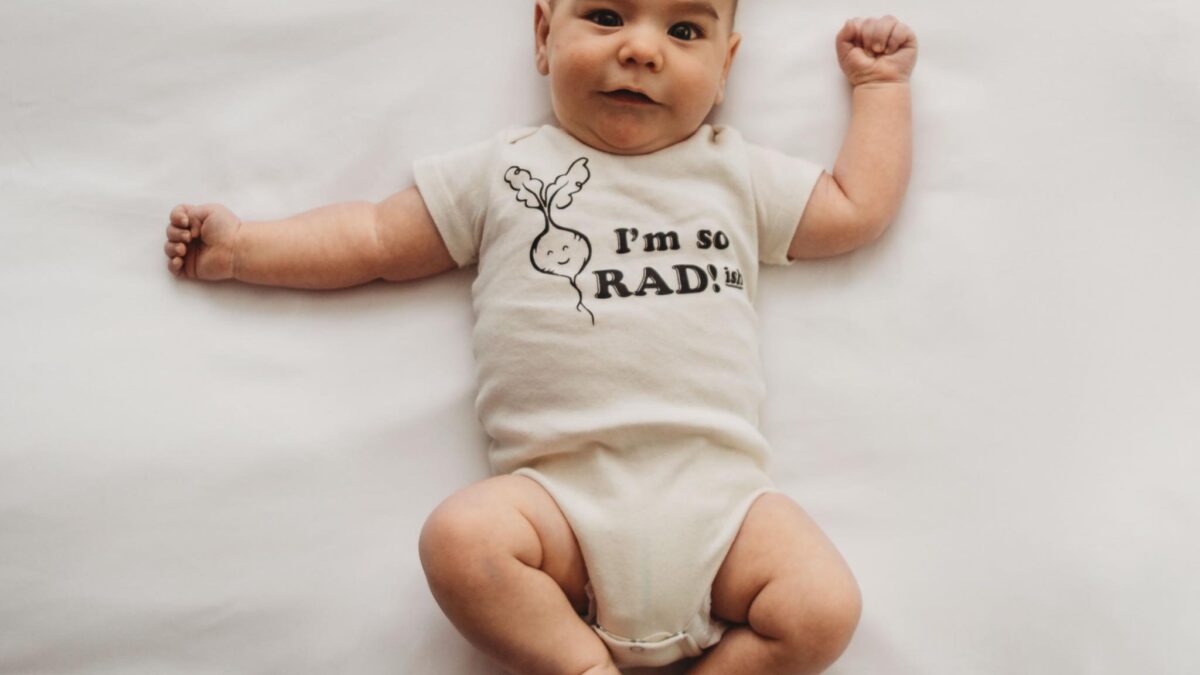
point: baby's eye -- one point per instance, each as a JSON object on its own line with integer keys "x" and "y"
{"x": 604, "y": 16}
{"x": 690, "y": 31}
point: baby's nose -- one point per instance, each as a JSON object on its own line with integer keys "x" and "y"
{"x": 641, "y": 49}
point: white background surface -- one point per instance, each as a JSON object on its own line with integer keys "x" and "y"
{"x": 991, "y": 411}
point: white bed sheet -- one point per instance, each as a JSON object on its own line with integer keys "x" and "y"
{"x": 991, "y": 411}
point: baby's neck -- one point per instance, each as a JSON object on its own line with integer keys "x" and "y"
{"x": 629, "y": 144}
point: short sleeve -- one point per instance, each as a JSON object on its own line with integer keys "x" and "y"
{"x": 455, "y": 189}
{"x": 782, "y": 185}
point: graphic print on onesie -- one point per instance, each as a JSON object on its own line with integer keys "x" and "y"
{"x": 565, "y": 252}
{"x": 557, "y": 251}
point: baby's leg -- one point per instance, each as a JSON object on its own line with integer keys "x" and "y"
{"x": 504, "y": 566}
{"x": 784, "y": 579}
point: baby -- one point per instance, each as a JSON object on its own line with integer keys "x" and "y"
{"x": 631, "y": 520}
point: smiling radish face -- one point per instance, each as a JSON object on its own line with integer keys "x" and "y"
{"x": 561, "y": 251}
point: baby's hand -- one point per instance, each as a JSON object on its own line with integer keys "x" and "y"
{"x": 876, "y": 50}
{"x": 201, "y": 240}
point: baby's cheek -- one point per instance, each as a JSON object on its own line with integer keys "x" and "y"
{"x": 578, "y": 62}
{"x": 699, "y": 87}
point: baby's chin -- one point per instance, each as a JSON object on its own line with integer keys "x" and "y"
{"x": 625, "y": 137}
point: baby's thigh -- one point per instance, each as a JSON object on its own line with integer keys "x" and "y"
{"x": 782, "y": 568}
{"x": 505, "y": 515}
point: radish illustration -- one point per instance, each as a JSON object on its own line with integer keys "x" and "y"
{"x": 558, "y": 250}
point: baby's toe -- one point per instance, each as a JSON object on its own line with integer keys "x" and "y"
{"x": 174, "y": 249}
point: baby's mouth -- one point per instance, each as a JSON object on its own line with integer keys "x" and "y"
{"x": 628, "y": 96}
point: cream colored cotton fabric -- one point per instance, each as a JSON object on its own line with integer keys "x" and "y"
{"x": 617, "y": 349}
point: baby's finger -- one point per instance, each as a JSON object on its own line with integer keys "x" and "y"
{"x": 848, "y": 31}
{"x": 904, "y": 37}
{"x": 867, "y": 35}
{"x": 896, "y": 38}
{"x": 197, "y": 215}
{"x": 852, "y": 31}
{"x": 179, "y": 216}
{"x": 175, "y": 265}
{"x": 178, "y": 234}
{"x": 875, "y": 36}
{"x": 887, "y": 29}
{"x": 174, "y": 249}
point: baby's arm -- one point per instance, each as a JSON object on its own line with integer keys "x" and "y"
{"x": 333, "y": 246}
{"x": 856, "y": 204}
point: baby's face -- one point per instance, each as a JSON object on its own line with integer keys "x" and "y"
{"x": 676, "y": 52}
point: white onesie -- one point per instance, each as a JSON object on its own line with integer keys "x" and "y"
{"x": 616, "y": 346}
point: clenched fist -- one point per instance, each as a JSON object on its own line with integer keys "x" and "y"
{"x": 876, "y": 50}
{"x": 201, "y": 241}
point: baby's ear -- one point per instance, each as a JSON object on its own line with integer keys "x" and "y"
{"x": 541, "y": 34}
{"x": 735, "y": 40}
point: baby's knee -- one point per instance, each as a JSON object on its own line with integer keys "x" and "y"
{"x": 822, "y": 625}
{"x": 449, "y": 541}
{"x": 465, "y": 533}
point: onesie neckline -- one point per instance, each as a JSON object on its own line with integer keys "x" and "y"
{"x": 705, "y": 133}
